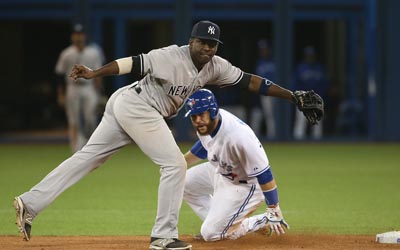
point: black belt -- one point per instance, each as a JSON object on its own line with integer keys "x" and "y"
{"x": 243, "y": 182}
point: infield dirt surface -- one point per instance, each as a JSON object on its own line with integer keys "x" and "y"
{"x": 250, "y": 242}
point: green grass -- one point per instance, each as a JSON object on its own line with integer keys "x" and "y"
{"x": 323, "y": 188}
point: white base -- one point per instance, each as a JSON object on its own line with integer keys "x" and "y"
{"x": 389, "y": 237}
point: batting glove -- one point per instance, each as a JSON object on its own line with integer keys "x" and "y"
{"x": 275, "y": 220}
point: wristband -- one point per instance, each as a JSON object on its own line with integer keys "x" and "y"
{"x": 271, "y": 196}
{"x": 264, "y": 86}
{"x": 124, "y": 65}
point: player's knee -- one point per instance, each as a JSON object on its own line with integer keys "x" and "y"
{"x": 177, "y": 168}
{"x": 181, "y": 167}
{"x": 210, "y": 232}
{"x": 190, "y": 189}
{"x": 189, "y": 193}
{"x": 179, "y": 163}
{"x": 182, "y": 162}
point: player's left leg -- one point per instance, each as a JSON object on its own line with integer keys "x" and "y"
{"x": 148, "y": 129}
{"x": 199, "y": 186}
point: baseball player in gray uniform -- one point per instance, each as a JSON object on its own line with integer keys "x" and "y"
{"x": 135, "y": 113}
{"x": 80, "y": 97}
{"x": 236, "y": 179}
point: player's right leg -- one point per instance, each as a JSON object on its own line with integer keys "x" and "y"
{"x": 105, "y": 141}
{"x": 151, "y": 133}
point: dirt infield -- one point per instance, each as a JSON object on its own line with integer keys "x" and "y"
{"x": 250, "y": 242}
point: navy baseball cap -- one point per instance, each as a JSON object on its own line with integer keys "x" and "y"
{"x": 206, "y": 30}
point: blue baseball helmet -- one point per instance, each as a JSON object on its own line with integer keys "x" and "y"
{"x": 201, "y": 101}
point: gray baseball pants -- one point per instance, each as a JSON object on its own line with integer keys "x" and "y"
{"x": 127, "y": 119}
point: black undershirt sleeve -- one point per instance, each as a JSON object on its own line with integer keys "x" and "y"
{"x": 137, "y": 65}
{"x": 245, "y": 81}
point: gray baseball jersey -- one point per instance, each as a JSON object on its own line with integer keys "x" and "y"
{"x": 171, "y": 77}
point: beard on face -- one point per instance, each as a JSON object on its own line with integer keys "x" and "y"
{"x": 209, "y": 128}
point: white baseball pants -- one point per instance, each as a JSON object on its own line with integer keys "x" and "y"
{"x": 220, "y": 203}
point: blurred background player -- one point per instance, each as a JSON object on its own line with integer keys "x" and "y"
{"x": 80, "y": 98}
{"x": 309, "y": 74}
{"x": 236, "y": 179}
{"x": 262, "y": 106}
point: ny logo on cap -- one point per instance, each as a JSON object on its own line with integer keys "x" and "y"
{"x": 211, "y": 30}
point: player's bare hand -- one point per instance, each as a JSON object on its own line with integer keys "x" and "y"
{"x": 81, "y": 71}
{"x": 275, "y": 220}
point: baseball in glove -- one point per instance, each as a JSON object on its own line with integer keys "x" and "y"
{"x": 310, "y": 103}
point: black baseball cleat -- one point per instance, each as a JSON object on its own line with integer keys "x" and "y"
{"x": 24, "y": 218}
{"x": 168, "y": 244}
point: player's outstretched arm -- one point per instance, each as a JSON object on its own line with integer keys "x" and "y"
{"x": 81, "y": 71}
{"x": 308, "y": 102}
{"x": 265, "y": 87}
{"x": 118, "y": 67}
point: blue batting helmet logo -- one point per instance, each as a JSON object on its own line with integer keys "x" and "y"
{"x": 201, "y": 101}
{"x": 191, "y": 102}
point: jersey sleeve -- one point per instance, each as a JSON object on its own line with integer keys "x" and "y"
{"x": 198, "y": 150}
{"x": 157, "y": 62}
{"x": 251, "y": 155}
{"x": 226, "y": 73}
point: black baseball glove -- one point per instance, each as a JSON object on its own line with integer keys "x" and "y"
{"x": 310, "y": 103}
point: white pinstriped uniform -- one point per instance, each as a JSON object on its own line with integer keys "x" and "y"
{"x": 138, "y": 116}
